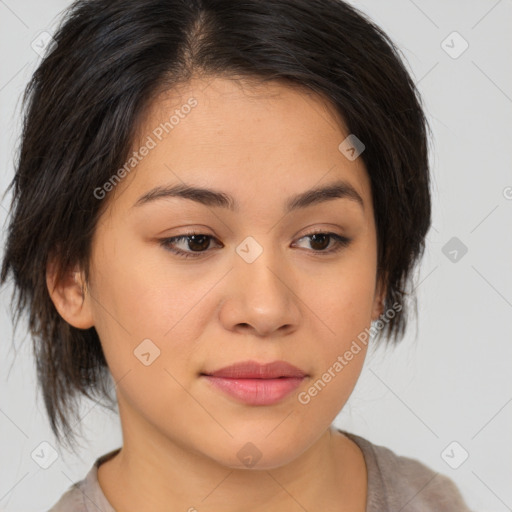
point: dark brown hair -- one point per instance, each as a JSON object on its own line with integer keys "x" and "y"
{"x": 85, "y": 100}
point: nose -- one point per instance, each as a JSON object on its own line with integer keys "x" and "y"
{"x": 259, "y": 297}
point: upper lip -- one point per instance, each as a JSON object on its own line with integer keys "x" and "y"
{"x": 255, "y": 370}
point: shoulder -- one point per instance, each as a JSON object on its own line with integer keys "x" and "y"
{"x": 72, "y": 500}
{"x": 406, "y": 484}
{"x": 86, "y": 495}
{"x": 416, "y": 487}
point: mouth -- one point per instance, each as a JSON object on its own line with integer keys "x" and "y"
{"x": 257, "y": 384}
{"x": 254, "y": 370}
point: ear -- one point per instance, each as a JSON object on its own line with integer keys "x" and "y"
{"x": 70, "y": 297}
{"x": 379, "y": 298}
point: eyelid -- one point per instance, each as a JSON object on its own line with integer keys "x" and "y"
{"x": 341, "y": 243}
{"x": 165, "y": 242}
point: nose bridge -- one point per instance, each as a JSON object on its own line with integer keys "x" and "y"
{"x": 261, "y": 296}
{"x": 258, "y": 268}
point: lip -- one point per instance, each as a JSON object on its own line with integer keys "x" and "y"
{"x": 257, "y": 384}
{"x": 255, "y": 370}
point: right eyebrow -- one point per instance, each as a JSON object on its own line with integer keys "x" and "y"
{"x": 216, "y": 198}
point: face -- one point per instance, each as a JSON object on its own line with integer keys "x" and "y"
{"x": 254, "y": 283}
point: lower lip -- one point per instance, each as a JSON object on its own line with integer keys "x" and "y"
{"x": 256, "y": 391}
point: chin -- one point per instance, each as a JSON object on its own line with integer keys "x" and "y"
{"x": 255, "y": 452}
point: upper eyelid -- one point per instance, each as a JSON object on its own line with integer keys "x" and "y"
{"x": 311, "y": 233}
{"x": 187, "y": 235}
{"x": 340, "y": 239}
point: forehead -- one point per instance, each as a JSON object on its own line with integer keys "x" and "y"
{"x": 244, "y": 138}
{"x": 241, "y": 112}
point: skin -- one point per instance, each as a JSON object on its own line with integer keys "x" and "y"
{"x": 260, "y": 144}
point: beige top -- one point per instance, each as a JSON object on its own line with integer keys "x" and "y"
{"x": 395, "y": 483}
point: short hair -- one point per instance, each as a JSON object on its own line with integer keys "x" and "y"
{"x": 84, "y": 102}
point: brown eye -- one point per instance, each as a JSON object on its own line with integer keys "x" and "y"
{"x": 198, "y": 242}
{"x": 320, "y": 242}
{"x": 192, "y": 244}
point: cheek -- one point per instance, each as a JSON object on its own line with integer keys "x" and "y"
{"x": 343, "y": 317}
{"x": 142, "y": 289}
{"x": 343, "y": 300}
{"x": 326, "y": 394}
{"x": 142, "y": 307}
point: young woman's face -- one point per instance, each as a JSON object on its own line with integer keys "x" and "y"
{"x": 256, "y": 285}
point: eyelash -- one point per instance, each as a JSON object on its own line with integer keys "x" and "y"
{"x": 341, "y": 242}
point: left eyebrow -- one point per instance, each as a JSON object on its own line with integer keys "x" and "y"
{"x": 216, "y": 198}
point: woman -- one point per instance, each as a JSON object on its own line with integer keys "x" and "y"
{"x": 215, "y": 203}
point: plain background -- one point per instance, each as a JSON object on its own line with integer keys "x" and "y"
{"x": 450, "y": 384}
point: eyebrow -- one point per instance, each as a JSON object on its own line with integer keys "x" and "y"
{"x": 215, "y": 198}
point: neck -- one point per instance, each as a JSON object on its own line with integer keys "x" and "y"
{"x": 153, "y": 472}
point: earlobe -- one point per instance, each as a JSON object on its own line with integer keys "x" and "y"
{"x": 70, "y": 297}
{"x": 379, "y": 299}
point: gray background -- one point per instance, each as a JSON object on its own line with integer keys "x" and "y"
{"x": 450, "y": 384}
